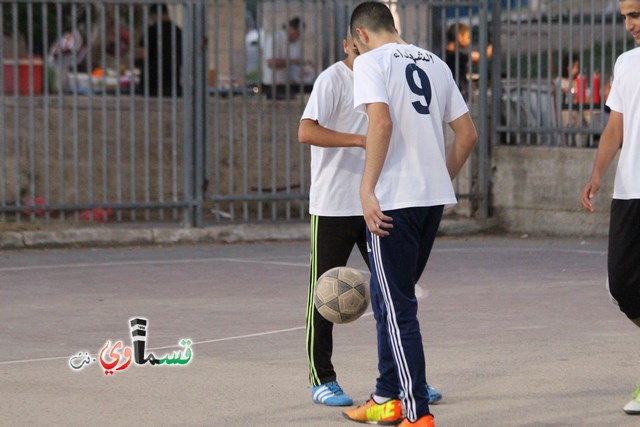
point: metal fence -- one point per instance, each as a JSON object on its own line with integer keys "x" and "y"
{"x": 96, "y": 122}
{"x": 554, "y": 65}
{"x": 108, "y": 115}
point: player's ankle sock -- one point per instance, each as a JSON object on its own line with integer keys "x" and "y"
{"x": 379, "y": 399}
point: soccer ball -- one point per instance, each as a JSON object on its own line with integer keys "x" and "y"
{"x": 342, "y": 295}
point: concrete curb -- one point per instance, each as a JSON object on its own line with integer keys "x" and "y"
{"x": 229, "y": 233}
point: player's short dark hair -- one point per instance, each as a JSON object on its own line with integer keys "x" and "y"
{"x": 372, "y": 15}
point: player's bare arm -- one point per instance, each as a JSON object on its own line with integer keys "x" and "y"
{"x": 312, "y": 133}
{"x": 610, "y": 143}
{"x": 464, "y": 141}
{"x": 378, "y": 138}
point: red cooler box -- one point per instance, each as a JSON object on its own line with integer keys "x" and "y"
{"x": 8, "y": 71}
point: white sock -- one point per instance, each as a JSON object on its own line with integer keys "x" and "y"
{"x": 379, "y": 399}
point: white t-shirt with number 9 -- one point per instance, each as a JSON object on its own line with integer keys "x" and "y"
{"x": 421, "y": 94}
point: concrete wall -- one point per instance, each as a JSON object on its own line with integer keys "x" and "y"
{"x": 536, "y": 190}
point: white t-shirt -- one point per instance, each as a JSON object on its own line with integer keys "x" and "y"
{"x": 624, "y": 98}
{"x": 335, "y": 172}
{"x": 421, "y": 93}
{"x": 278, "y": 47}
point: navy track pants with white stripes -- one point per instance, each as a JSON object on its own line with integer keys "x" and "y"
{"x": 397, "y": 262}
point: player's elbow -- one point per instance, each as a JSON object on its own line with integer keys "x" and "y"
{"x": 472, "y": 137}
{"x": 380, "y": 123}
{"x": 302, "y": 136}
{"x": 304, "y": 132}
{"x": 465, "y": 131}
{"x": 387, "y": 125}
{"x": 381, "y": 126}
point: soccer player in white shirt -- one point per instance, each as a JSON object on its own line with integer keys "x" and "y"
{"x": 407, "y": 94}
{"x": 335, "y": 132}
{"x": 623, "y": 130}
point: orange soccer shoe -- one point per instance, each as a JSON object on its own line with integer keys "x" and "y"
{"x": 385, "y": 414}
{"x": 426, "y": 421}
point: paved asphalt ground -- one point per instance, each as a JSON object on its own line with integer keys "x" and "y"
{"x": 517, "y": 332}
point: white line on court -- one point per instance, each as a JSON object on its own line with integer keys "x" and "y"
{"x": 149, "y": 262}
{"x": 267, "y": 262}
{"x": 525, "y": 249}
{"x": 237, "y": 337}
{"x": 419, "y": 292}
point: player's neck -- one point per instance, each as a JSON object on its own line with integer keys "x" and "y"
{"x": 380, "y": 39}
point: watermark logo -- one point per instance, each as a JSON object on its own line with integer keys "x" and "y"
{"x": 116, "y": 357}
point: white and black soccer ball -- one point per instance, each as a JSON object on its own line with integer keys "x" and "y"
{"x": 341, "y": 295}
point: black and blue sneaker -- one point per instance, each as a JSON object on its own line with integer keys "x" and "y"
{"x": 434, "y": 395}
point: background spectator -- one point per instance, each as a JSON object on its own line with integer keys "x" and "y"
{"x": 570, "y": 71}
{"x": 283, "y": 69}
{"x": 457, "y": 55}
{"x": 168, "y": 61}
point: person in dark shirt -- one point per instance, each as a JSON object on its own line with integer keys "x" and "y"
{"x": 160, "y": 65}
{"x": 457, "y": 55}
